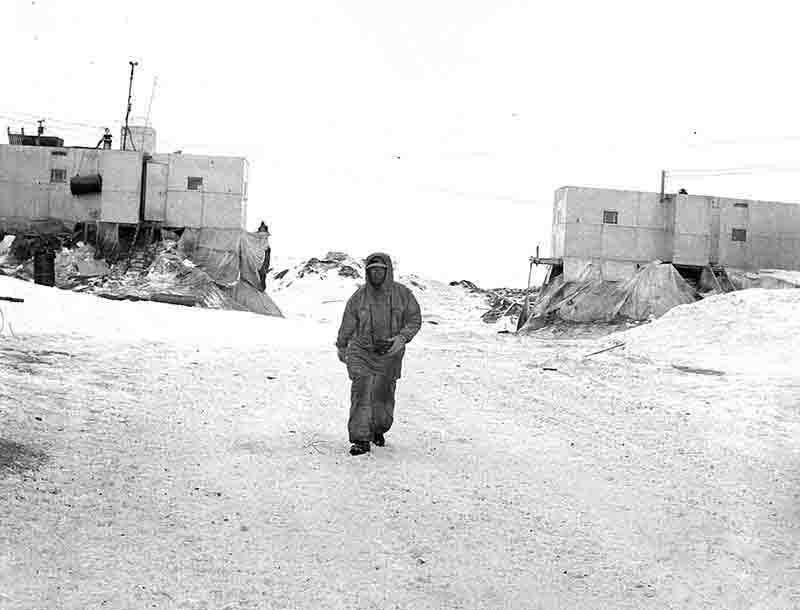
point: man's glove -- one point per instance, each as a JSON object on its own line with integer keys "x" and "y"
{"x": 342, "y": 353}
{"x": 398, "y": 343}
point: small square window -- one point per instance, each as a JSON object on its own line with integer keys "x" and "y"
{"x": 58, "y": 175}
{"x": 609, "y": 217}
{"x": 739, "y": 235}
{"x": 194, "y": 183}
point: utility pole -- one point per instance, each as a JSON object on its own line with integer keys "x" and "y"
{"x": 127, "y": 114}
{"x": 663, "y": 181}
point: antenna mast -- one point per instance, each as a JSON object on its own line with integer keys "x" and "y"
{"x": 127, "y": 114}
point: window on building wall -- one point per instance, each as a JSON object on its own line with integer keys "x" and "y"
{"x": 58, "y": 175}
{"x": 739, "y": 235}
{"x": 740, "y": 205}
{"x": 194, "y": 183}
{"x": 610, "y": 217}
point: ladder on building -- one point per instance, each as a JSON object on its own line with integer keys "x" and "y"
{"x": 133, "y": 243}
{"x": 141, "y": 255}
{"x": 721, "y": 279}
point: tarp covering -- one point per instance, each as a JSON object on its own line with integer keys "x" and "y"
{"x": 252, "y": 299}
{"x": 171, "y": 278}
{"x": 252, "y": 250}
{"x": 595, "y": 301}
{"x": 654, "y": 290}
{"x": 215, "y": 251}
{"x": 227, "y": 255}
{"x": 232, "y": 259}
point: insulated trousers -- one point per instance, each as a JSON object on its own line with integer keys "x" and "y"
{"x": 371, "y": 407}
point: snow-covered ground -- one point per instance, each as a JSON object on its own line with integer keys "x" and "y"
{"x": 750, "y": 332}
{"x": 166, "y": 457}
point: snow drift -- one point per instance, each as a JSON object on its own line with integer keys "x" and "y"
{"x": 749, "y": 332}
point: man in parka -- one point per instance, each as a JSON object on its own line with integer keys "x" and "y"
{"x": 379, "y": 319}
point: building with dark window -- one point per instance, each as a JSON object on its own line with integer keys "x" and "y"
{"x": 40, "y": 178}
{"x": 619, "y": 231}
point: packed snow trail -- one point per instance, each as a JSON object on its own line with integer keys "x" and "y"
{"x": 207, "y": 467}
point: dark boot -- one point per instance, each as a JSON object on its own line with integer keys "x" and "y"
{"x": 379, "y": 440}
{"x": 359, "y": 448}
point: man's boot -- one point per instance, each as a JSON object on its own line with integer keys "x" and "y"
{"x": 379, "y": 440}
{"x": 359, "y": 448}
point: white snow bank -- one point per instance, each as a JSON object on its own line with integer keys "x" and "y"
{"x": 49, "y": 311}
{"x": 315, "y": 296}
{"x": 321, "y": 296}
{"x": 313, "y": 305}
{"x": 749, "y": 332}
{"x": 788, "y": 276}
{"x": 764, "y": 278}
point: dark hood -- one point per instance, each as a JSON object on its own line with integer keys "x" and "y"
{"x": 386, "y": 260}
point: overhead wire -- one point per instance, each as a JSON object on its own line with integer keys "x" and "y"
{"x": 30, "y": 117}
{"x": 150, "y": 105}
{"x": 731, "y": 171}
{"x": 76, "y": 126}
{"x": 745, "y": 140}
{"x": 476, "y": 196}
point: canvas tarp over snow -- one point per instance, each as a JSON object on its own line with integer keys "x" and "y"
{"x": 211, "y": 268}
{"x": 170, "y": 280}
{"x": 232, "y": 259}
{"x": 214, "y": 251}
{"x": 654, "y": 290}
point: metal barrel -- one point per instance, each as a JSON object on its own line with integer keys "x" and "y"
{"x": 44, "y": 267}
{"x": 84, "y": 185}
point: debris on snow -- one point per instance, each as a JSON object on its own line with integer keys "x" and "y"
{"x": 162, "y": 271}
{"x": 503, "y": 302}
{"x": 5, "y": 244}
{"x": 606, "y": 349}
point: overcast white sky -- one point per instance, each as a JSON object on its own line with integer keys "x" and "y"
{"x": 436, "y": 131}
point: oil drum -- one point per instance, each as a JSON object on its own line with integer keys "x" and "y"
{"x": 44, "y": 267}
{"x": 84, "y": 185}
